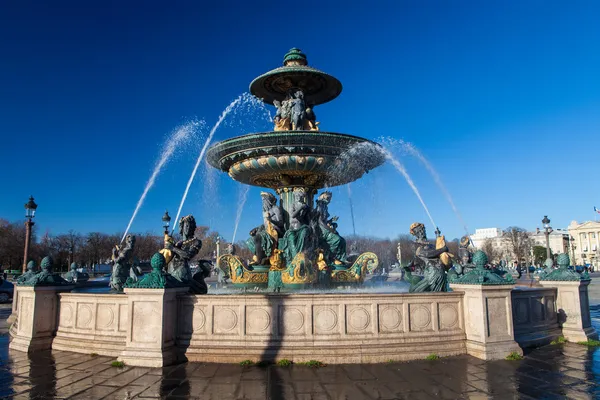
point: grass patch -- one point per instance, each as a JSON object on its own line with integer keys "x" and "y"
{"x": 590, "y": 343}
{"x": 390, "y": 361}
{"x": 246, "y": 363}
{"x": 94, "y": 355}
{"x": 312, "y": 364}
{"x": 284, "y": 363}
{"x": 117, "y": 364}
{"x": 514, "y": 356}
{"x": 559, "y": 340}
{"x": 432, "y": 357}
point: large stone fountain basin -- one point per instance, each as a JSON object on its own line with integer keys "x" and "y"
{"x": 289, "y": 158}
{"x": 332, "y": 328}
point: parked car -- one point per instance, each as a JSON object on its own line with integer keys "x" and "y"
{"x": 6, "y": 291}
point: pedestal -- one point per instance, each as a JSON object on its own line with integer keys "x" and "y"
{"x": 152, "y": 326}
{"x": 488, "y": 320}
{"x": 37, "y": 316}
{"x": 573, "y": 308}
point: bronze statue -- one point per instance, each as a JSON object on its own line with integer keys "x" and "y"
{"x": 182, "y": 253}
{"x": 121, "y": 257}
{"x": 46, "y": 277}
{"x": 298, "y": 237}
{"x": 329, "y": 237}
{"x": 264, "y": 238}
{"x": 434, "y": 278}
{"x": 298, "y": 110}
{"x": 29, "y": 273}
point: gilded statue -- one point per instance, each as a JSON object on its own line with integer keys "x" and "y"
{"x": 294, "y": 114}
{"x": 298, "y": 236}
{"x": 329, "y": 238}
{"x": 264, "y": 238}
{"x": 428, "y": 255}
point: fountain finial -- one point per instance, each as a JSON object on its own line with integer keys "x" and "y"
{"x": 294, "y": 57}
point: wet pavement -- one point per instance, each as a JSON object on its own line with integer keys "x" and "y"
{"x": 551, "y": 372}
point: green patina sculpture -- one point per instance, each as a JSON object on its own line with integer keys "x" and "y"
{"x": 427, "y": 255}
{"x": 563, "y": 273}
{"x": 482, "y": 276}
{"x": 157, "y": 278}
{"x": 29, "y": 273}
{"x": 75, "y": 276}
{"x": 45, "y": 277}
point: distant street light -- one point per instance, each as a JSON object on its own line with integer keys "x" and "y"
{"x": 571, "y": 239}
{"x": 547, "y": 231}
{"x": 30, "y": 208}
{"x": 166, "y": 219}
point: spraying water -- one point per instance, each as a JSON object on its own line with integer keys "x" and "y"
{"x": 178, "y": 137}
{"x": 400, "y": 168}
{"x": 411, "y": 149}
{"x": 243, "y": 196}
{"x": 351, "y": 208}
{"x": 244, "y": 99}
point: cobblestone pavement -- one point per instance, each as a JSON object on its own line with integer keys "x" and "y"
{"x": 551, "y": 372}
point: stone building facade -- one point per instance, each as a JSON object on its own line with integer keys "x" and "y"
{"x": 585, "y": 242}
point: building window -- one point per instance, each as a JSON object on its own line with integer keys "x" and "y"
{"x": 593, "y": 235}
{"x": 584, "y": 236}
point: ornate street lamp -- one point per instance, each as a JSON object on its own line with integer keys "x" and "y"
{"x": 166, "y": 219}
{"x": 30, "y": 208}
{"x": 547, "y": 231}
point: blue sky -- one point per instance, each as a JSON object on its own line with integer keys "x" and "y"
{"x": 502, "y": 97}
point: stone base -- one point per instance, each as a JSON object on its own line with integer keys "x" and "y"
{"x": 579, "y": 334}
{"x": 492, "y": 351}
{"x": 27, "y": 344}
{"x": 152, "y": 359}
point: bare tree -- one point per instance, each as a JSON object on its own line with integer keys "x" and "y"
{"x": 518, "y": 242}
{"x": 493, "y": 253}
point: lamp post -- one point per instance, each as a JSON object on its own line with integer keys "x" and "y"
{"x": 571, "y": 239}
{"x": 547, "y": 231}
{"x": 30, "y": 208}
{"x": 218, "y": 244}
{"x": 166, "y": 219}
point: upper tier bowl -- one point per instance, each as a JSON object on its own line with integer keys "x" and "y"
{"x": 296, "y": 158}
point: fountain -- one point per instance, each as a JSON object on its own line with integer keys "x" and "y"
{"x": 171, "y": 315}
{"x": 298, "y": 245}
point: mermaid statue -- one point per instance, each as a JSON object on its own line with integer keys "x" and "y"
{"x": 121, "y": 256}
{"x": 298, "y": 236}
{"x": 430, "y": 256}
{"x": 329, "y": 238}
{"x": 264, "y": 238}
{"x": 181, "y": 254}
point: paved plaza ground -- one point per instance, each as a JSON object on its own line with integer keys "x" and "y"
{"x": 551, "y": 372}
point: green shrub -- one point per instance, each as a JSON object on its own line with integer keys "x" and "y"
{"x": 590, "y": 343}
{"x": 514, "y": 356}
{"x": 312, "y": 364}
{"x": 284, "y": 363}
{"x": 432, "y": 357}
{"x": 118, "y": 364}
{"x": 246, "y": 363}
{"x": 559, "y": 340}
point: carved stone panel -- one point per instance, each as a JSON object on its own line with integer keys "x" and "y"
{"x": 551, "y": 308}
{"x": 358, "y": 319}
{"x": 326, "y": 320}
{"x": 497, "y": 322}
{"x": 291, "y": 320}
{"x": 85, "y": 316}
{"x": 105, "y": 317}
{"x": 537, "y": 309}
{"x": 420, "y": 317}
{"x": 123, "y": 317}
{"x": 258, "y": 320}
{"x": 521, "y": 311}
{"x": 225, "y": 319}
{"x": 448, "y": 316}
{"x": 66, "y": 315}
{"x": 146, "y": 324}
{"x": 25, "y": 315}
{"x": 390, "y": 318}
